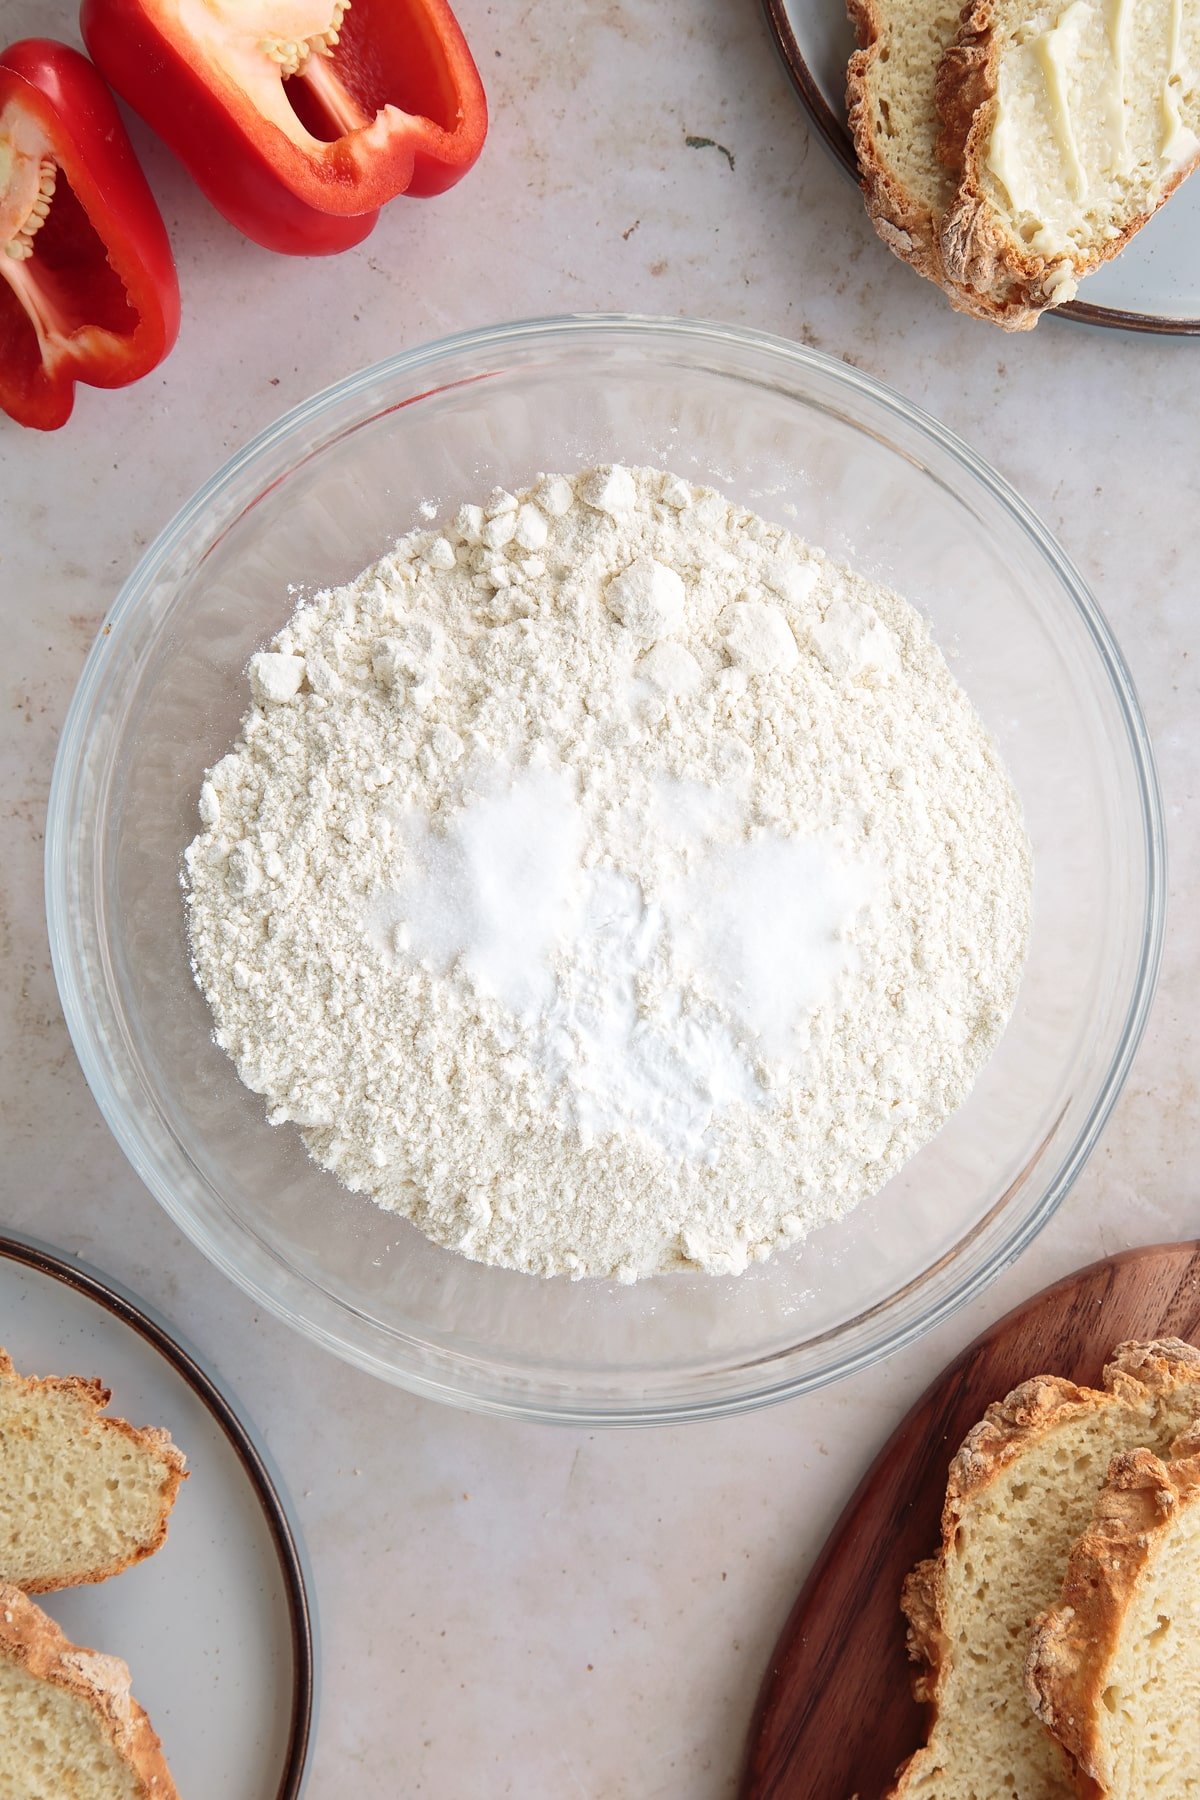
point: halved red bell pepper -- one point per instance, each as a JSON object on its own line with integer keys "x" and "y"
{"x": 299, "y": 118}
{"x": 88, "y": 290}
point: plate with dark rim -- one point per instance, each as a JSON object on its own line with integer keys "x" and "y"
{"x": 217, "y": 1628}
{"x": 1154, "y": 285}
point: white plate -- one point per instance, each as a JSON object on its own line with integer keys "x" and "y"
{"x": 1154, "y": 285}
{"x": 216, "y": 1627}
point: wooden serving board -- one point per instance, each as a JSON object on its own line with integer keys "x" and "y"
{"x": 835, "y": 1715}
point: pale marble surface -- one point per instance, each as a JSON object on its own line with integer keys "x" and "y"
{"x": 507, "y": 1609}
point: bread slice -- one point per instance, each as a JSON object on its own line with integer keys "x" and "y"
{"x": 81, "y": 1496}
{"x": 1114, "y": 1668}
{"x": 890, "y": 96}
{"x": 1021, "y": 1490}
{"x": 1067, "y": 123}
{"x": 69, "y": 1727}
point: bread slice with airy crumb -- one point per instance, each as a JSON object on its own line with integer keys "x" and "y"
{"x": 69, "y": 1727}
{"x": 891, "y": 98}
{"x": 895, "y": 124}
{"x": 1114, "y": 1668}
{"x": 82, "y": 1496}
{"x": 1021, "y": 1490}
{"x": 1067, "y": 124}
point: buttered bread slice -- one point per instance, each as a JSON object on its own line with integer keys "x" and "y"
{"x": 1067, "y": 124}
{"x": 1021, "y": 1490}
{"x": 81, "y": 1496}
{"x": 891, "y": 96}
{"x": 1114, "y": 1670}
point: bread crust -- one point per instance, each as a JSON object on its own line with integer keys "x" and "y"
{"x": 976, "y": 250}
{"x": 92, "y": 1394}
{"x": 32, "y": 1640}
{"x": 1007, "y": 1429}
{"x": 908, "y": 228}
{"x": 1074, "y": 1643}
{"x": 965, "y": 82}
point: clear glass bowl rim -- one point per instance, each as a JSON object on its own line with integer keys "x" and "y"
{"x": 89, "y": 1043}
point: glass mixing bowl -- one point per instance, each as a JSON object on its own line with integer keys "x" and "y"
{"x": 313, "y": 500}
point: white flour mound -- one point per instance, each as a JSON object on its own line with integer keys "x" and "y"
{"x": 608, "y": 882}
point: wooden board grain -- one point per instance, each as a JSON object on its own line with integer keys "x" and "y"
{"x": 835, "y": 1715}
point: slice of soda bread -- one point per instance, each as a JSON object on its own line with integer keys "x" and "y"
{"x": 894, "y": 120}
{"x": 892, "y": 100}
{"x": 68, "y": 1723}
{"x": 1114, "y": 1669}
{"x": 1067, "y": 123}
{"x": 1021, "y": 1490}
{"x": 81, "y": 1496}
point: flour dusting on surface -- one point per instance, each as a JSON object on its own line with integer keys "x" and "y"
{"x": 609, "y": 882}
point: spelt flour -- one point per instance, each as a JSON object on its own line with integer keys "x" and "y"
{"x": 608, "y": 882}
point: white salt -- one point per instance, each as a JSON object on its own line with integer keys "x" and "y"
{"x": 645, "y": 1016}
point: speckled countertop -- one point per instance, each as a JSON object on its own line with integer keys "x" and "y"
{"x": 508, "y": 1609}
